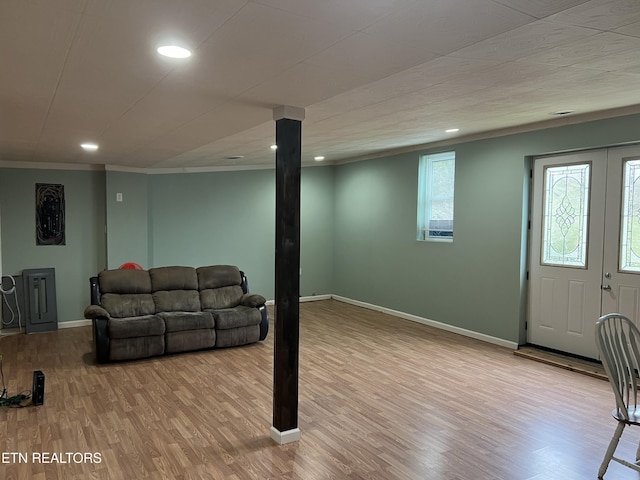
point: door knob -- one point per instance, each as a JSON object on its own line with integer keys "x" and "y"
{"x": 606, "y": 287}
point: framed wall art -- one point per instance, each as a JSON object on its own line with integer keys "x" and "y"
{"x": 50, "y": 219}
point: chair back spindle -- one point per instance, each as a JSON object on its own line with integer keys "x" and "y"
{"x": 617, "y": 341}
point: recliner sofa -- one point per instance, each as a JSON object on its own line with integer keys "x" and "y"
{"x": 144, "y": 313}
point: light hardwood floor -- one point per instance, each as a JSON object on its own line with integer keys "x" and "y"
{"x": 380, "y": 398}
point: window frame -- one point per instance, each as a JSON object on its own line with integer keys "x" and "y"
{"x": 426, "y": 197}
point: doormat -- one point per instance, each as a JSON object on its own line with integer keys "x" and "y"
{"x": 586, "y": 367}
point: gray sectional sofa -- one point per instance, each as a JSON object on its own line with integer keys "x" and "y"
{"x": 144, "y": 313}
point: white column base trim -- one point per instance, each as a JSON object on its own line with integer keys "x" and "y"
{"x": 287, "y": 436}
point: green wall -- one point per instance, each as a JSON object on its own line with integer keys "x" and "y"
{"x": 358, "y": 227}
{"x": 128, "y": 220}
{"x": 229, "y": 218}
{"x": 478, "y": 281}
{"x": 472, "y": 283}
{"x": 84, "y": 252}
{"x": 316, "y": 231}
{"x": 169, "y": 219}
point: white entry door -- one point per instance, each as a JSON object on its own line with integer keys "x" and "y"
{"x": 567, "y": 232}
{"x": 585, "y": 246}
{"x": 621, "y": 270}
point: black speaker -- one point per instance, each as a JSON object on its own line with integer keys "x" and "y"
{"x": 37, "y": 393}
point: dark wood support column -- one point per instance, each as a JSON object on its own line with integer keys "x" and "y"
{"x": 287, "y": 274}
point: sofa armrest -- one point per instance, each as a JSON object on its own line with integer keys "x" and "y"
{"x": 101, "y": 339}
{"x": 94, "y": 291}
{"x": 101, "y": 342}
{"x": 244, "y": 283}
{"x": 95, "y": 311}
{"x": 252, "y": 300}
{"x": 264, "y": 322}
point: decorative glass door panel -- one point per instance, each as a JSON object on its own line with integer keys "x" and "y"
{"x": 566, "y": 214}
{"x": 630, "y": 224}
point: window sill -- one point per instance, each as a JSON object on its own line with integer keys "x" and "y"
{"x": 437, "y": 239}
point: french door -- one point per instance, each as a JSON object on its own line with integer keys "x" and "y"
{"x": 584, "y": 246}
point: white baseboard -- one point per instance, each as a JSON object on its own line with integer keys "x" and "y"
{"x": 432, "y": 323}
{"x": 13, "y": 331}
{"x": 406, "y": 316}
{"x": 312, "y": 298}
{"x": 315, "y": 298}
{"x": 74, "y": 323}
{"x": 61, "y": 325}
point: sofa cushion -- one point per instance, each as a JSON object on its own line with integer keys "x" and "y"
{"x": 128, "y": 305}
{"x": 124, "y": 281}
{"x": 173, "y": 278}
{"x": 237, "y": 336}
{"x": 179, "y": 321}
{"x": 236, "y": 317}
{"x": 217, "y": 276}
{"x": 223, "y": 297}
{"x": 177, "y": 301}
{"x": 137, "y": 347}
{"x": 145, "y": 326}
{"x": 190, "y": 340}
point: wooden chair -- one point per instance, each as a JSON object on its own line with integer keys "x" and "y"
{"x": 617, "y": 339}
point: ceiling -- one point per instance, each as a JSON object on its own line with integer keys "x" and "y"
{"x": 372, "y": 75}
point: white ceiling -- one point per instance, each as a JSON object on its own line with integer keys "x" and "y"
{"x": 372, "y": 75}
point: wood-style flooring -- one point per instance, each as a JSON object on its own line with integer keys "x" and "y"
{"x": 380, "y": 398}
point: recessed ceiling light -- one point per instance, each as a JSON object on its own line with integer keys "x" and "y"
{"x": 273, "y": 147}
{"x": 174, "y": 51}
{"x": 319, "y": 158}
{"x": 234, "y": 157}
{"x": 562, "y": 112}
{"x": 89, "y": 147}
{"x": 452, "y": 130}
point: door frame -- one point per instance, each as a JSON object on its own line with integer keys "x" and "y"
{"x": 566, "y": 325}
{"x": 529, "y": 195}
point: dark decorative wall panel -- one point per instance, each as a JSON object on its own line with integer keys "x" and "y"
{"x": 50, "y": 214}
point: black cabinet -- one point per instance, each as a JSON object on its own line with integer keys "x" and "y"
{"x": 41, "y": 312}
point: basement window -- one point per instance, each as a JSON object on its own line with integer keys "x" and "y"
{"x": 436, "y": 178}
